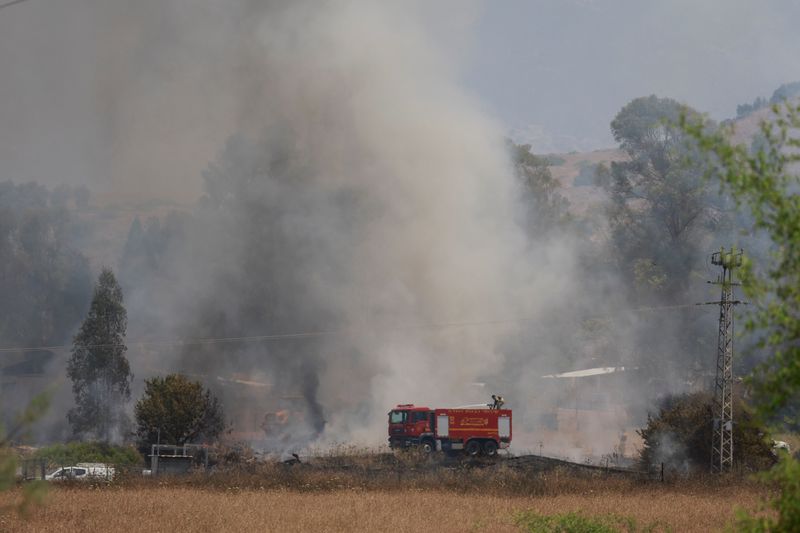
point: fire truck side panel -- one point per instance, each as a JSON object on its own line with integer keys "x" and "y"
{"x": 462, "y": 425}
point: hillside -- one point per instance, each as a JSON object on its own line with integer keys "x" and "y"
{"x": 111, "y": 217}
{"x": 575, "y": 170}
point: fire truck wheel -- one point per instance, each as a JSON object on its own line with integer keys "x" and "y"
{"x": 427, "y": 446}
{"x": 490, "y": 448}
{"x": 473, "y": 448}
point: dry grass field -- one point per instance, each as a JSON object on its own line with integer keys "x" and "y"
{"x": 173, "y": 507}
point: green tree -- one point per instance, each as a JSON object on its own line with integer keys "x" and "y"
{"x": 767, "y": 183}
{"x": 658, "y": 198}
{"x": 547, "y": 208}
{"x": 98, "y": 368}
{"x": 661, "y": 213}
{"x": 71, "y": 453}
{"x": 176, "y": 410}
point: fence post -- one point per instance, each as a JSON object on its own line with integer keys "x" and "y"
{"x": 662, "y": 472}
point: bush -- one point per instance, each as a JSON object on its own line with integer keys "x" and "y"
{"x": 89, "y": 452}
{"x": 680, "y": 435}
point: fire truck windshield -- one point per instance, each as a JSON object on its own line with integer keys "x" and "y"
{"x": 397, "y": 417}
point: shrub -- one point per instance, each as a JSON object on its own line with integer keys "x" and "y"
{"x": 89, "y": 452}
{"x": 680, "y": 435}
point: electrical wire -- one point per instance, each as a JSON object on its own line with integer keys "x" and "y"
{"x": 256, "y": 338}
{"x": 9, "y": 4}
{"x": 304, "y": 334}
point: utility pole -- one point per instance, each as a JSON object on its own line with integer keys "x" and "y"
{"x": 722, "y": 439}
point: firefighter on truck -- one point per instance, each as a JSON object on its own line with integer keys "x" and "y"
{"x": 475, "y": 430}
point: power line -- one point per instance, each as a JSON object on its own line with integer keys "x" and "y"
{"x": 178, "y": 342}
{"x": 9, "y": 4}
{"x": 255, "y": 338}
{"x": 201, "y": 341}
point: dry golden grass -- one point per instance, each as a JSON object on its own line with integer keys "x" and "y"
{"x": 171, "y": 507}
{"x": 354, "y": 490}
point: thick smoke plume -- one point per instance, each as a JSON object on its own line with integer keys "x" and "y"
{"x": 364, "y": 199}
{"x": 344, "y": 197}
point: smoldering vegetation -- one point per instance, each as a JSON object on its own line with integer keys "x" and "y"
{"x": 679, "y": 437}
{"x": 364, "y": 236}
{"x": 354, "y": 468}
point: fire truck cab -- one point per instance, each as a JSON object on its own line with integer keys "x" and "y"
{"x": 411, "y": 425}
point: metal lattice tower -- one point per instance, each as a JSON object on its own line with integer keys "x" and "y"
{"x": 722, "y": 440}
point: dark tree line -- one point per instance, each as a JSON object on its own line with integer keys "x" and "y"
{"x": 44, "y": 277}
{"x": 785, "y": 92}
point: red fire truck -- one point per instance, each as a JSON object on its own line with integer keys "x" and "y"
{"x": 475, "y": 429}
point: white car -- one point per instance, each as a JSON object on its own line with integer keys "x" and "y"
{"x": 82, "y": 471}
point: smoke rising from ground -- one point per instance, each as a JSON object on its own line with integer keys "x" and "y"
{"x": 349, "y": 188}
{"x": 364, "y": 193}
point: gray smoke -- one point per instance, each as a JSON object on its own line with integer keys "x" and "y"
{"x": 366, "y": 195}
{"x": 349, "y": 189}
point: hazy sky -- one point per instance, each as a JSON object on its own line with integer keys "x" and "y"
{"x": 92, "y": 85}
{"x": 567, "y": 66}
